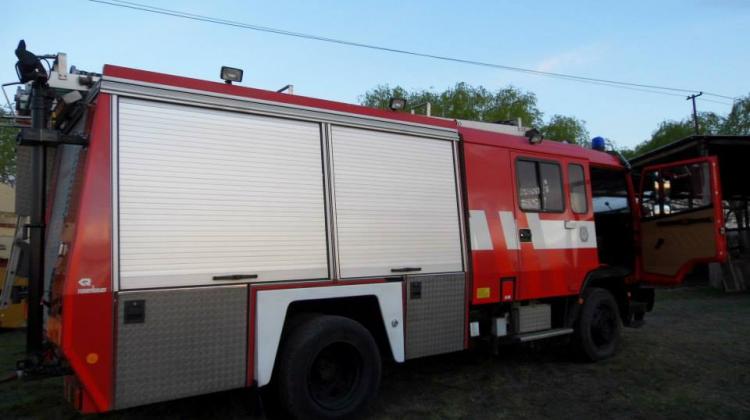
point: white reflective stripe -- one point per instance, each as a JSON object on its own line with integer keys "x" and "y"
{"x": 271, "y": 307}
{"x": 480, "y": 231}
{"x": 510, "y": 231}
{"x": 547, "y": 234}
{"x": 552, "y": 234}
{"x": 537, "y": 234}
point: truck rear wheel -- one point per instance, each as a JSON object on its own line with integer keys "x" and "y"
{"x": 599, "y": 327}
{"x": 329, "y": 367}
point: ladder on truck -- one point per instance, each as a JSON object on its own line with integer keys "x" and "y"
{"x": 13, "y": 261}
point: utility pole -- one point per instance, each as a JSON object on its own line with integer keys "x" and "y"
{"x": 695, "y": 112}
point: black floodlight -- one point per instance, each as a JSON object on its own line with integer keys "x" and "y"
{"x": 29, "y": 67}
{"x": 231, "y": 74}
{"x": 397, "y": 104}
{"x": 534, "y": 136}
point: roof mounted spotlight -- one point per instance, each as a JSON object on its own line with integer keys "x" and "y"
{"x": 397, "y": 104}
{"x": 231, "y": 74}
{"x": 534, "y": 136}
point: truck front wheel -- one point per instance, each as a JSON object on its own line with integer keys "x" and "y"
{"x": 328, "y": 367}
{"x": 599, "y": 327}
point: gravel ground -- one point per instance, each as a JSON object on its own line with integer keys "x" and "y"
{"x": 690, "y": 360}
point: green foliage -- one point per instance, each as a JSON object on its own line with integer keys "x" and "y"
{"x": 709, "y": 123}
{"x": 628, "y": 153}
{"x": 737, "y": 123}
{"x": 667, "y": 132}
{"x": 464, "y": 101}
{"x": 7, "y": 151}
{"x": 563, "y": 128}
{"x": 477, "y": 103}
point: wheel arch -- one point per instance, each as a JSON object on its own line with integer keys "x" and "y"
{"x": 613, "y": 280}
{"x": 275, "y": 310}
{"x": 363, "y": 309}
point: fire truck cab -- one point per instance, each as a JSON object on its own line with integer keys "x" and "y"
{"x": 204, "y": 236}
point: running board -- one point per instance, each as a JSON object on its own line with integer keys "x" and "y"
{"x": 538, "y": 335}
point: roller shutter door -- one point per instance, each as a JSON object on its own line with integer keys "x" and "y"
{"x": 206, "y": 193}
{"x": 396, "y": 204}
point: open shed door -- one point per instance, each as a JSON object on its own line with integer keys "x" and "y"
{"x": 681, "y": 219}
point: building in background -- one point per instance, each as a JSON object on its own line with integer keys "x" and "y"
{"x": 14, "y": 316}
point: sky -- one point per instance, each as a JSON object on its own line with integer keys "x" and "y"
{"x": 690, "y": 44}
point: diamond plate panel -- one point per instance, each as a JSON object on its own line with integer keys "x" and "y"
{"x": 435, "y": 312}
{"x": 192, "y": 341}
{"x": 533, "y": 318}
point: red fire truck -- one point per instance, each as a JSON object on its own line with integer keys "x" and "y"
{"x": 202, "y": 236}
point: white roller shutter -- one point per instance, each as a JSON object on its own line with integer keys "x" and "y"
{"x": 206, "y": 193}
{"x": 396, "y": 203}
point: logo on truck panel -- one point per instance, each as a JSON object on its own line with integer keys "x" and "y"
{"x": 87, "y": 287}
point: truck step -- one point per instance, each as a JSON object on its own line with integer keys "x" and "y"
{"x": 538, "y": 335}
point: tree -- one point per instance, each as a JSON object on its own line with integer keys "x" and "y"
{"x": 464, "y": 101}
{"x": 669, "y": 131}
{"x": 382, "y": 94}
{"x": 563, "y": 128}
{"x": 7, "y": 151}
{"x": 737, "y": 123}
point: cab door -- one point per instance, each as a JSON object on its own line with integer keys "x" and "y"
{"x": 555, "y": 224}
{"x": 681, "y": 220}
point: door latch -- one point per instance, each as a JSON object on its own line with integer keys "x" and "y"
{"x": 135, "y": 311}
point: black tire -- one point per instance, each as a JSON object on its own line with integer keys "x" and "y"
{"x": 329, "y": 367}
{"x": 598, "y": 329}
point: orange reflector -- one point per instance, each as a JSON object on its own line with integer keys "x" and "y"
{"x": 92, "y": 358}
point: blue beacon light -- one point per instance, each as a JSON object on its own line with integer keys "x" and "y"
{"x": 598, "y": 143}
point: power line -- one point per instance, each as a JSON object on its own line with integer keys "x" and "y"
{"x": 656, "y": 89}
{"x": 716, "y": 102}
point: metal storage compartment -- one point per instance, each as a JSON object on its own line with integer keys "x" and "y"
{"x": 205, "y": 194}
{"x": 396, "y": 201}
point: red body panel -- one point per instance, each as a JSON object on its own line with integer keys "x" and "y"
{"x": 490, "y": 189}
{"x": 491, "y": 186}
{"x": 87, "y": 328}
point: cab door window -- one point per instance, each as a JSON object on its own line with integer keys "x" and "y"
{"x": 675, "y": 190}
{"x": 539, "y": 186}
{"x": 577, "y": 180}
